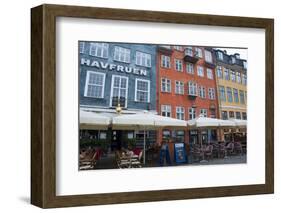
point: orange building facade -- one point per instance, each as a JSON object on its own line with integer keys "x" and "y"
{"x": 186, "y": 89}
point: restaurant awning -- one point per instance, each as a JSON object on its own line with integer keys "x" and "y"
{"x": 93, "y": 120}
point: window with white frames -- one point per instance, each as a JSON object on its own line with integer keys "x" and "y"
{"x": 198, "y": 52}
{"x": 233, "y": 59}
{"x": 122, "y": 54}
{"x": 220, "y": 55}
{"x": 219, "y": 72}
{"x": 245, "y": 64}
{"x": 94, "y": 86}
{"x": 202, "y": 92}
{"x": 191, "y": 113}
{"x": 242, "y": 97}
{"x": 165, "y": 85}
{"x": 119, "y": 90}
{"x": 211, "y": 93}
{"x": 226, "y": 74}
{"x": 208, "y": 56}
{"x": 209, "y": 73}
{"x": 238, "y": 115}
{"x": 143, "y": 59}
{"x": 179, "y": 48}
{"x": 189, "y": 51}
{"x": 200, "y": 71}
{"x": 190, "y": 68}
{"x": 236, "y": 96}
{"x": 192, "y": 88}
{"x": 142, "y": 90}
{"x": 180, "y": 113}
{"x": 238, "y": 77}
{"x": 229, "y": 94}
{"x": 244, "y": 79}
{"x": 165, "y": 61}
{"x": 232, "y": 76}
{"x": 166, "y": 110}
{"x": 179, "y": 87}
{"x": 203, "y": 112}
{"x": 222, "y": 93}
{"x": 81, "y": 47}
{"x": 99, "y": 50}
{"x": 178, "y": 65}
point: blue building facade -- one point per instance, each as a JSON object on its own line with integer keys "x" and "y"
{"x": 117, "y": 73}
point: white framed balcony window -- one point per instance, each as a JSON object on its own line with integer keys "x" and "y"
{"x": 208, "y": 56}
{"x": 178, "y": 65}
{"x": 192, "y": 88}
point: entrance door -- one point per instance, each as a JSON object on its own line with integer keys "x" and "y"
{"x": 116, "y": 142}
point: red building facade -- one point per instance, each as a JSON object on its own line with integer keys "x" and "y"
{"x": 186, "y": 88}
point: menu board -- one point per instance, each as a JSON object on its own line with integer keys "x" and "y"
{"x": 180, "y": 153}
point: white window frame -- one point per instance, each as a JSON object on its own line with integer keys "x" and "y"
{"x": 219, "y": 72}
{"x": 211, "y": 93}
{"x": 201, "y": 74}
{"x": 180, "y": 110}
{"x": 87, "y": 83}
{"x": 192, "y": 86}
{"x": 178, "y": 63}
{"x": 178, "y": 48}
{"x": 118, "y": 54}
{"x": 143, "y": 56}
{"x": 180, "y": 85}
{"x": 99, "y": 45}
{"x": 83, "y": 47}
{"x": 245, "y": 64}
{"x": 148, "y": 90}
{"x": 191, "y": 111}
{"x": 224, "y": 74}
{"x": 210, "y": 73}
{"x": 189, "y": 51}
{"x": 111, "y": 90}
{"x": 202, "y": 91}
{"x": 238, "y": 77}
{"x": 224, "y": 92}
{"x": 208, "y": 56}
{"x": 188, "y": 65}
{"x": 165, "y": 61}
{"x": 199, "y": 52}
{"x": 220, "y": 55}
{"x": 204, "y": 112}
{"x": 166, "y": 83}
{"x": 232, "y": 76}
{"x": 164, "y": 108}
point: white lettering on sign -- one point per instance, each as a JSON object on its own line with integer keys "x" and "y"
{"x": 110, "y": 67}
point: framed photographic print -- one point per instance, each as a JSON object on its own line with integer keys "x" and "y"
{"x": 137, "y": 106}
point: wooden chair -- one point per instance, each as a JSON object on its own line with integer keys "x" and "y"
{"x": 222, "y": 150}
{"x": 136, "y": 163}
{"x": 230, "y": 148}
{"x": 89, "y": 161}
{"x": 209, "y": 152}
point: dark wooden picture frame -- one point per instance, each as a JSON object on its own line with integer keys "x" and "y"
{"x": 43, "y": 105}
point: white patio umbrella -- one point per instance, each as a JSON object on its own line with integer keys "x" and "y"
{"x": 239, "y": 123}
{"x": 145, "y": 121}
{"x": 93, "y": 120}
{"x": 202, "y": 121}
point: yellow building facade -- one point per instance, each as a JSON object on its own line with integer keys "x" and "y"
{"x": 231, "y": 78}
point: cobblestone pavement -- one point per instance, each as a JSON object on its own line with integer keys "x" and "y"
{"x": 227, "y": 160}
